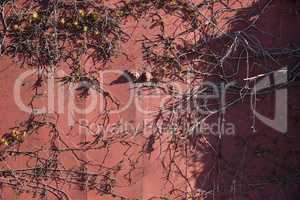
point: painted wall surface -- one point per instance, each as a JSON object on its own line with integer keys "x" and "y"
{"x": 281, "y": 21}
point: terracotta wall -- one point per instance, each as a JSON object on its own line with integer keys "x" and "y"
{"x": 282, "y": 21}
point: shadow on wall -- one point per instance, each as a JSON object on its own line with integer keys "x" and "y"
{"x": 256, "y": 162}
